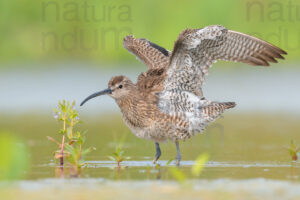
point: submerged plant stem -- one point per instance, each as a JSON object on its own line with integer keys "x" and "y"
{"x": 63, "y": 145}
{"x": 62, "y": 152}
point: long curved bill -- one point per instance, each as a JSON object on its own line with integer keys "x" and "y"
{"x": 106, "y": 91}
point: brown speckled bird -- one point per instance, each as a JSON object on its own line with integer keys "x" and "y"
{"x": 167, "y": 101}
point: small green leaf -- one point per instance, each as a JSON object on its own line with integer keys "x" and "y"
{"x": 199, "y": 164}
{"x": 86, "y": 151}
{"x": 111, "y": 158}
{"x": 293, "y": 147}
{"x": 178, "y": 175}
{"x": 115, "y": 154}
{"x": 157, "y": 166}
{"x": 121, "y": 153}
{"x": 62, "y": 131}
{"x": 169, "y": 162}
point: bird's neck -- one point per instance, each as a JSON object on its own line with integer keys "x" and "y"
{"x": 130, "y": 106}
{"x": 129, "y": 101}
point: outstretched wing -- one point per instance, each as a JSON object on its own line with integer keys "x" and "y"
{"x": 151, "y": 54}
{"x": 197, "y": 49}
{"x": 194, "y": 52}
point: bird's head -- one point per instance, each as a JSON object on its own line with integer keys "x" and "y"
{"x": 118, "y": 87}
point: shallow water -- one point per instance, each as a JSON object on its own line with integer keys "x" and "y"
{"x": 145, "y": 170}
{"x": 248, "y": 160}
{"x": 242, "y": 146}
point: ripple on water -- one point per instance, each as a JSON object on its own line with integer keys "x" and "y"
{"x": 132, "y": 163}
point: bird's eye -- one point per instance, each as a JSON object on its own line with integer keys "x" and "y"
{"x": 120, "y": 86}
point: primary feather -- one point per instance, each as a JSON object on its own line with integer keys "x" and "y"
{"x": 150, "y": 54}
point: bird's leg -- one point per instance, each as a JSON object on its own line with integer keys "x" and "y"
{"x": 158, "y": 152}
{"x": 178, "y": 156}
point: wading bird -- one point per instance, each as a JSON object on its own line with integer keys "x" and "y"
{"x": 167, "y": 101}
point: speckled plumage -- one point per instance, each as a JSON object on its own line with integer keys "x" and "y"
{"x": 167, "y": 101}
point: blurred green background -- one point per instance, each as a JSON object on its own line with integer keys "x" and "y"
{"x": 59, "y": 30}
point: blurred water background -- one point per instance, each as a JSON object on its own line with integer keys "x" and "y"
{"x": 272, "y": 89}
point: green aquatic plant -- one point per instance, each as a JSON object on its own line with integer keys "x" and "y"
{"x": 169, "y": 162}
{"x": 293, "y": 150}
{"x": 64, "y": 113}
{"x": 178, "y": 175}
{"x": 196, "y": 169}
{"x": 199, "y": 165}
{"x": 70, "y": 147}
{"x": 118, "y": 156}
{"x": 14, "y": 159}
{"x": 75, "y": 153}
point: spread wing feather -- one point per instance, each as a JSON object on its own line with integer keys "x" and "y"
{"x": 197, "y": 49}
{"x": 194, "y": 52}
{"x": 151, "y": 54}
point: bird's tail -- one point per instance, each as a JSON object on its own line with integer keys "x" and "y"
{"x": 211, "y": 111}
{"x": 227, "y": 105}
{"x": 215, "y": 109}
